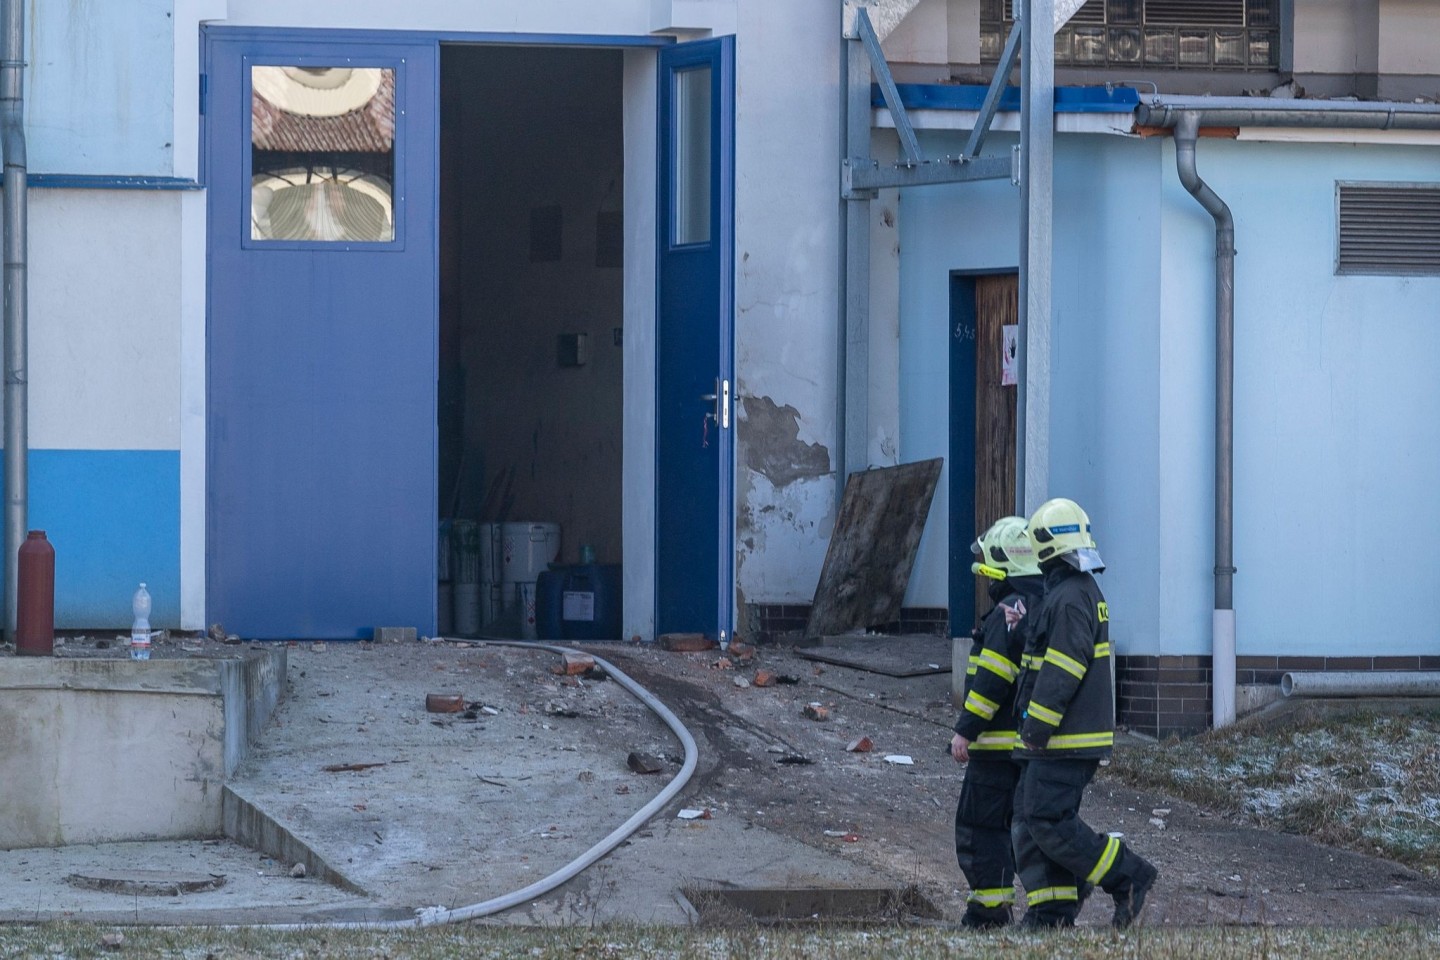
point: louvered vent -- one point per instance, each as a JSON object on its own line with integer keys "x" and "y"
{"x": 1092, "y": 12}
{"x": 1194, "y": 13}
{"x": 1389, "y": 228}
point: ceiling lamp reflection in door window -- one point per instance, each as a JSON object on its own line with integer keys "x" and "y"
{"x": 322, "y": 150}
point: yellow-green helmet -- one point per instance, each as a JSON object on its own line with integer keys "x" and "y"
{"x": 1059, "y": 528}
{"x": 1006, "y": 546}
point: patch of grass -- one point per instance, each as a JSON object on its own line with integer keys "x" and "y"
{"x": 83, "y": 941}
{"x": 1363, "y": 780}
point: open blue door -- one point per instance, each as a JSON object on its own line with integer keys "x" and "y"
{"x": 694, "y": 510}
{"x": 321, "y": 469}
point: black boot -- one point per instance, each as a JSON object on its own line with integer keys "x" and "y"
{"x": 985, "y": 918}
{"x": 1130, "y": 898}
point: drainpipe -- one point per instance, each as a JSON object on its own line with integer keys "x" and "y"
{"x": 1187, "y": 129}
{"x": 13, "y": 229}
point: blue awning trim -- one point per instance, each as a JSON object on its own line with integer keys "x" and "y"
{"x": 951, "y": 96}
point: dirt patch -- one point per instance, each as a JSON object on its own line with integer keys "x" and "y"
{"x": 898, "y": 818}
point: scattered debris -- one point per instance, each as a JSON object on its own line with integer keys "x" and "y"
{"x": 643, "y": 763}
{"x": 233, "y": 639}
{"x": 899, "y": 759}
{"x": 775, "y": 748}
{"x": 490, "y": 711}
{"x": 794, "y": 759}
{"x": 851, "y": 838}
{"x": 690, "y": 813}
{"x": 860, "y": 745}
{"x": 1160, "y": 812}
{"x": 1157, "y": 822}
{"x": 318, "y": 646}
{"x": 740, "y": 650}
{"x": 786, "y": 680}
{"x": 816, "y": 711}
{"x": 444, "y": 703}
{"x": 835, "y": 833}
{"x": 686, "y": 642}
{"x": 349, "y": 767}
{"x": 298, "y": 871}
{"x": 741, "y": 682}
{"x": 573, "y": 664}
{"x": 113, "y": 941}
{"x": 595, "y": 673}
{"x": 217, "y": 633}
{"x": 723, "y": 663}
{"x": 554, "y": 709}
{"x": 764, "y": 678}
{"x": 623, "y": 789}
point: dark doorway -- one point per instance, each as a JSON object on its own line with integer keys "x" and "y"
{"x": 531, "y": 295}
{"x": 982, "y": 427}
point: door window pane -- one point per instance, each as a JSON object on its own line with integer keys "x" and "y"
{"x": 692, "y": 156}
{"x": 322, "y": 153}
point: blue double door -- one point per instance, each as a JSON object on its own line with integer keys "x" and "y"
{"x": 322, "y": 172}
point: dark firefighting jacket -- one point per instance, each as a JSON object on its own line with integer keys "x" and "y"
{"x": 1066, "y": 695}
{"x": 987, "y": 718}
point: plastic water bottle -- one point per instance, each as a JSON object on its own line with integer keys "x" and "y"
{"x": 140, "y": 629}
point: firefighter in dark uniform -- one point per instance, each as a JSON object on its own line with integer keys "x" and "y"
{"x": 1067, "y": 726}
{"x": 985, "y": 733}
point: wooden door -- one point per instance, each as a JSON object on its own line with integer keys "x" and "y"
{"x": 997, "y": 305}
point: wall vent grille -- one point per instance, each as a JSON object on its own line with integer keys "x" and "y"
{"x": 1388, "y": 229}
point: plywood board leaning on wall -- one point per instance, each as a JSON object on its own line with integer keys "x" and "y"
{"x": 872, "y": 549}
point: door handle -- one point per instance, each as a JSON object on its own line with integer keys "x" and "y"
{"x": 721, "y": 399}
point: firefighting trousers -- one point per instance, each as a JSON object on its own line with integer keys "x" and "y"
{"x": 1056, "y": 852}
{"x": 982, "y": 836}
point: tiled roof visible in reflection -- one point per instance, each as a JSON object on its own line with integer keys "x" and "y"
{"x": 368, "y": 129}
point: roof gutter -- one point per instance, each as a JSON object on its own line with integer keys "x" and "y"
{"x": 1165, "y": 112}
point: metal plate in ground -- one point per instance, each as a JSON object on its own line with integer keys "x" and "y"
{"x": 907, "y": 655}
{"x": 810, "y": 905}
{"x": 146, "y": 883}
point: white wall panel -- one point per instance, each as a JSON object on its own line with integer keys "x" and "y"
{"x": 105, "y": 319}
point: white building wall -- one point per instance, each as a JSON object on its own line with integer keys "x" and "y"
{"x": 787, "y": 256}
{"x": 1407, "y": 37}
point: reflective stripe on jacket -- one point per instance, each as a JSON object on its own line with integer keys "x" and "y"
{"x": 987, "y": 716}
{"x": 1065, "y": 699}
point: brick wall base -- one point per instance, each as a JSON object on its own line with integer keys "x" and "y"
{"x": 773, "y": 622}
{"x": 1161, "y": 696}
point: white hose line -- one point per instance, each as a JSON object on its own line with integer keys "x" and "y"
{"x": 434, "y": 916}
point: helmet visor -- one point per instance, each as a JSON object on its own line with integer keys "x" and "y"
{"x": 1085, "y": 559}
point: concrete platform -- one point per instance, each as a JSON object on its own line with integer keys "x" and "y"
{"x": 388, "y": 807}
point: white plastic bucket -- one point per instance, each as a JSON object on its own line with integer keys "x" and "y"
{"x": 488, "y": 550}
{"x": 465, "y": 540}
{"x": 526, "y": 593}
{"x": 526, "y": 550}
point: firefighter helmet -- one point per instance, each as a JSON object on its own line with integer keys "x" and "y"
{"x": 1059, "y": 528}
{"x": 1006, "y": 546}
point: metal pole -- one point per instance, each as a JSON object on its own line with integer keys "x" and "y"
{"x": 1037, "y": 190}
{"x": 14, "y": 230}
{"x": 853, "y": 428}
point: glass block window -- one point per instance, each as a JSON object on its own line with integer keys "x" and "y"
{"x": 1165, "y": 34}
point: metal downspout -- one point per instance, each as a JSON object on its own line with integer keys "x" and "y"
{"x": 1187, "y": 129}
{"x": 15, "y": 238}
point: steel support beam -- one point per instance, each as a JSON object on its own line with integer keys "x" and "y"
{"x": 867, "y": 176}
{"x": 998, "y": 83}
{"x": 909, "y": 146}
{"x": 853, "y": 407}
{"x": 1037, "y": 192}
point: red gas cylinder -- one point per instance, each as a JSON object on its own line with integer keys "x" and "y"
{"x": 35, "y": 613}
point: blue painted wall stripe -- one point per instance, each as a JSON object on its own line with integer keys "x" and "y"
{"x": 113, "y": 517}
